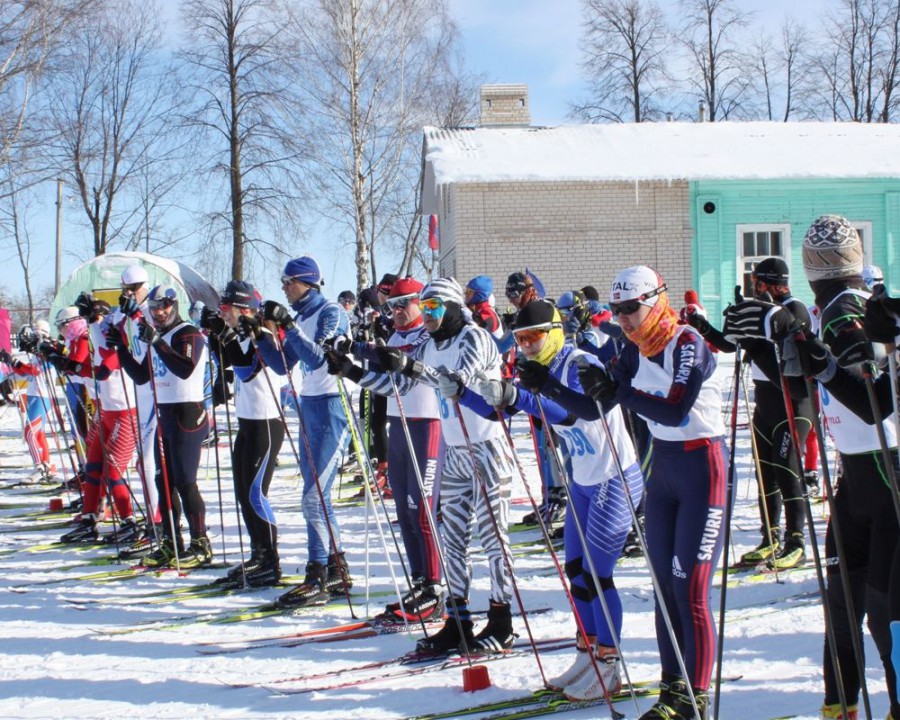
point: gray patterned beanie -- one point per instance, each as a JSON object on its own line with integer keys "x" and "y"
{"x": 832, "y": 249}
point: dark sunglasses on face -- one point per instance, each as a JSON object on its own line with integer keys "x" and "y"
{"x": 133, "y": 288}
{"x": 629, "y": 307}
{"x": 401, "y": 303}
{"x": 161, "y": 304}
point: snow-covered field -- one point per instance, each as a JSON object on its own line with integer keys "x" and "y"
{"x": 62, "y": 654}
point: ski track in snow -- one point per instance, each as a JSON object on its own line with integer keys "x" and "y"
{"x": 59, "y": 661}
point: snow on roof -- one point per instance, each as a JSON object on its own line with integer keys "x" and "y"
{"x": 663, "y": 151}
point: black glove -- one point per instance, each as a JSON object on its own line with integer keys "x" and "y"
{"x": 391, "y": 359}
{"x": 114, "y": 338}
{"x": 507, "y": 320}
{"x": 696, "y": 320}
{"x": 278, "y": 314}
{"x": 148, "y": 333}
{"x": 248, "y": 326}
{"x": 340, "y": 344}
{"x": 85, "y": 304}
{"x": 6, "y": 357}
{"x": 128, "y": 305}
{"x": 816, "y": 357}
{"x": 532, "y": 375}
{"x": 56, "y": 360}
{"x": 341, "y": 365}
{"x": 597, "y": 382}
{"x": 880, "y": 321}
{"x": 47, "y": 348}
{"x": 208, "y": 318}
{"x": 855, "y": 354}
{"x": 756, "y": 319}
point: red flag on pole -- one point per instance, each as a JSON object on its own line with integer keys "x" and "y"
{"x": 433, "y": 242}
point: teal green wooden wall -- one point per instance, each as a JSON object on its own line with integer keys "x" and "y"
{"x": 793, "y": 202}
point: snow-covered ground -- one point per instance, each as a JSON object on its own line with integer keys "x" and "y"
{"x": 62, "y": 655}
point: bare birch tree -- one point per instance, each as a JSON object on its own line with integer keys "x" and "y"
{"x": 717, "y": 66}
{"x": 781, "y": 68}
{"x": 236, "y": 56}
{"x": 367, "y": 73}
{"x": 624, "y": 46}
{"x": 109, "y": 106}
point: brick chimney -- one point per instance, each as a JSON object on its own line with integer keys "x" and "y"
{"x": 505, "y": 105}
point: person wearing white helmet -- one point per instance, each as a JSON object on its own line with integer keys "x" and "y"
{"x": 872, "y": 275}
{"x": 665, "y": 374}
{"x": 33, "y": 400}
{"x": 173, "y": 366}
{"x": 132, "y": 307}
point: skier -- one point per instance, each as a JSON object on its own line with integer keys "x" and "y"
{"x": 782, "y": 476}
{"x": 832, "y": 259}
{"x": 173, "y": 365}
{"x": 135, "y": 283}
{"x": 666, "y": 374}
{"x": 480, "y": 301}
{"x": 33, "y": 400}
{"x": 112, "y": 436}
{"x": 456, "y": 352}
{"x": 872, "y": 275}
{"x": 422, "y": 416}
{"x": 324, "y": 433}
{"x": 260, "y": 432}
{"x": 598, "y": 498}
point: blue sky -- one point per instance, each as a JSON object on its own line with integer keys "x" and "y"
{"x": 510, "y": 41}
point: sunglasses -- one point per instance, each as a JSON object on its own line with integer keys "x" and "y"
{"x": 401, "y": 303}
{"x": 513, "y": 293}
{"x": 630, "y": 307}
{"x": 530, "y": 336}
{"x": 287, "y": 279}
{"x": 133, "y": 288}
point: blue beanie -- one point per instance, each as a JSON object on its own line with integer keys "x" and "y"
{"x": 305, "y": 269}
{"x": 482, "y": 287}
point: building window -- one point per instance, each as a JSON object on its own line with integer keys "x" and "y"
{"x": 758, "y": 242}
{"x": 864, "y": 229}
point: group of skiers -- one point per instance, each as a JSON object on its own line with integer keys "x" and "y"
{"x": 623, "y": 401}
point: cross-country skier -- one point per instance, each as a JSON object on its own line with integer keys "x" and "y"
{"x": 457, "y": 351}
{"x": 324, "y": 430}
{"x": 260, "y": 433}
{"x": 666, "y": 375}
{"x": 174, "y": 366}
{"x": 422, "y": 415}
{"x": 598, "y": 497}
{"x": 112, "y": 436}
{"x": 833, "y": 261}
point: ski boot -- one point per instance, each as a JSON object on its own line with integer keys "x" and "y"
{"x": 338, "y": 580}
{"x": 766, "y": 550}
{"x": 128, "y": 531}
{"x": 792, "y": 553}
{"x": 455, "y": 635}
{"x": 199, "y": 554}
{"x": 577, "y": 669}
{"x": 591, "y": 686}
{"x": 310, "y": 592}
{"x": 497, "y": 636}
{"x": 164, "y": 555}
{"x": 423, "y": 602}
{"x": 85, "y": 532}
{"x": 834, "y": 712}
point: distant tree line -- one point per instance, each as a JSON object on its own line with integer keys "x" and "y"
{"x": 641, "y": 65}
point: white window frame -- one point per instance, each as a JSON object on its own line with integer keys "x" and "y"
{"x": 783, "y": 228}
{"x": 866, "y": 227}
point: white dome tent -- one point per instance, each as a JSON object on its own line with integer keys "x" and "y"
{"x": 104, "y": 273}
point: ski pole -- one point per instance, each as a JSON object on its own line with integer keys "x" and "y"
{"x": 835, "y": 527}
{"x": 363, "y": 452}
{"x": 729, "y": 499}
{"x": 211, "y": 370}
{"x": 592, "y": 569}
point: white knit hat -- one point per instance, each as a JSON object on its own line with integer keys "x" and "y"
{"x": 832, "y": 249}
{"x": 637, "y": 283}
